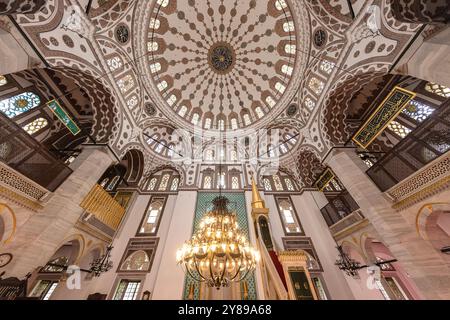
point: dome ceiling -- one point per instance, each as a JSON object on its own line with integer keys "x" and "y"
{"x": 221, "y": 64}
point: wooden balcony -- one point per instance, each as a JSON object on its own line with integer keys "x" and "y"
{"x": 104, "y": 208}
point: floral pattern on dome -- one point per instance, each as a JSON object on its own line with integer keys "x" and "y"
{"x": 221, "y": 64}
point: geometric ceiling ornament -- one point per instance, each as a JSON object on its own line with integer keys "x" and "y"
{"x": 223, "y": 65}
{"x": 388, "y": 110}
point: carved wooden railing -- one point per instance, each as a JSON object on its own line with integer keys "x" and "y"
{"x": 347, "y": 224}
{"x": 21, "y": 190}
{"x": 104, "y": 207}
{"x": 424, "y": 183}
{"x": 273, "y": 279}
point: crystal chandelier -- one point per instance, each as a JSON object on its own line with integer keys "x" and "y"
{"x": 102, "y": 264}
{"x": 218, "y": 253}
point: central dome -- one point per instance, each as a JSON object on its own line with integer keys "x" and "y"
{"x": 221, "y": 64}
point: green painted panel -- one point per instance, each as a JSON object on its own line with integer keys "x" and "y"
{"x": 237, "y": 204}
{"x": 63, "y": 116}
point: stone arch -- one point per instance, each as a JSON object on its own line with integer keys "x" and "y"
{"x": 71, "y": 248}
{"x": 377, "y": 250}
{"x": 8, "y": 224}
{"x": 134, "y": 162}
{"x": 433, "y": 225}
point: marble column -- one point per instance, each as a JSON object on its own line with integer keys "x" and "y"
{"x": 169, "y": 283}
{"x": 38, "y": 238}
{"x": 425, "y": 267}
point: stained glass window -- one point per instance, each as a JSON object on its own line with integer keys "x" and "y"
{"x": 207, "y": 182}
{"x": 267, "y": 185}
{"x": 221, "y": 181}
{"x": 208, "y": 122}
{"x": 183, "y": 111}
{"x": 234, "y": 183}
{"x": 281, "y": 88}
{"x": 283, "y": 148}
{"x": 327, "y": 66}
{"x": 114, "y": 63}
{"x": 195, "y": 118}
{"x": 164, "y": 182}
{"x": 3, "y": 81}
{"x": 259, "y": 112}
{"x": 234, "y": 124}
{"x": 418, "y": 111}
{"x": 288, "y": 26}
{"x": 310, "y": 104}
{"x": 152, "y": 184}
{"x": 316, "y": 86}
{"x": 289, "y": 184}
{"x": 137, "y": 261}
{"x": 35, "y": 126}
{"x": 175, "y": 183}
{"x": 247, "y": 120}
{"x": 19, "y": 104}
{"x": 287, "y": 69}
{"x": 152, "y": 216}
{"x": 438, "y": 89}
{"x": 290, "y": 48}
{"x": 288, "y": 216}
{"x": 399, "y": 129}
{"x": 280, "y": 4}
{"x": 126, "y": 83}
{"x": 277, "y": 182}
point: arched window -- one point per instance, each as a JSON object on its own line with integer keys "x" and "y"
{"x": 153, "y": 46}
{"x": 164, "y": 182}
{"x": 126, "y": 83}
{"x": 281, "y": 88}
{"x": 438, "y": 89}
{"x": 152, "y": 184}
{"x": 208, "y": 123}
{"x": 172, "y": 100}
{"x": 183, "y": 111}
{"x": 290, "y": 48}
{"x": 277, "y": 182}
{"x": 35, "y": 126}
{"x": 207, "y": 182}
{"x": 247, "y": 120}
{"x": 155, "y": 23}
{"x": 152, "y": 216}
{"x": 259, "y": 112}
{"x": 137, "y": 261}
{"x": 280, "y": 5}
{"x": 155, "y": 67}
{"x": 399, "y": 129}
{"x": 289, "y": 184}
{"x": 234, "y": 124}
{"x": 195, "y": 119}
{"x": 163, "y": 85}
{"x": 3, "y": 81}
{"x": 288, "y": 216}
{"x": 19, "y": 104}
{"x": 114, "y": 63}
{"x": 287, "y": 69}
{"x": 288, "y": 26}
{"x": 267, "y": 185}
{"x": 175, "y": 183}
{"x": 418, "y": 111}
